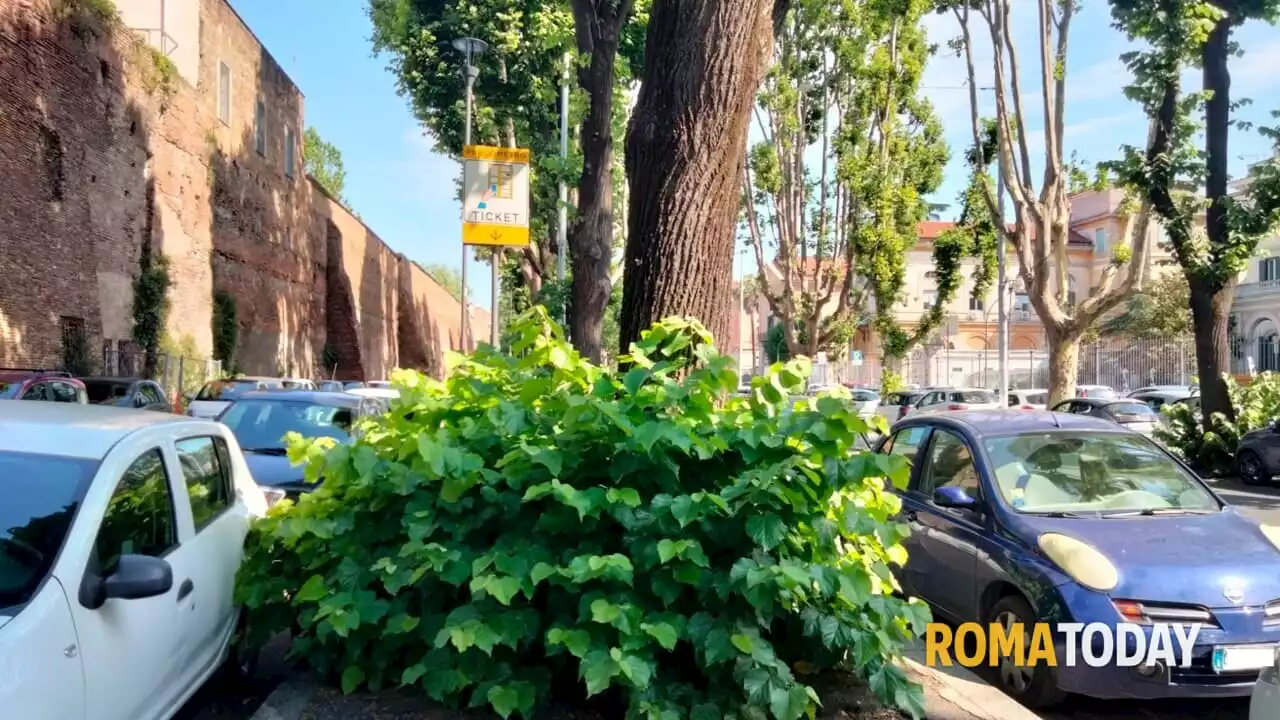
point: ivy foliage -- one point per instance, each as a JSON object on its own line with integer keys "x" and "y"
{"x": 151, "y": 305}
{"x": 537, "y": 529}
{"x": 973, "y": 236}
{"x": 226, "y": 328}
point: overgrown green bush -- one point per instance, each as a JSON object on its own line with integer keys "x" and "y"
{"x": 1213, "y": 453}
{"x": 226, "y": 328}
{"x": 537, "y": 528}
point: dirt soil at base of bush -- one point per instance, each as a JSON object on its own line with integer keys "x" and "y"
{"x": 844, "y": 697}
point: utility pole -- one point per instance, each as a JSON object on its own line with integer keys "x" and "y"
{"x": 470, "y": 47}
{"x": 562, "y": 218}
{"x": 1002, "y": 275}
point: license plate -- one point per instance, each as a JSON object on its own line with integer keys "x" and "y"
{"x": 1249, "y": 657}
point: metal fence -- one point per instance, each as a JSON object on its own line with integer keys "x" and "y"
{"x": 175, "y": 373}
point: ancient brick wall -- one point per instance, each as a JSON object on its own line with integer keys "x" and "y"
{"x": 100, "y": 157}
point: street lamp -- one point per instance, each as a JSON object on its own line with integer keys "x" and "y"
{"x": 472, "y": 48}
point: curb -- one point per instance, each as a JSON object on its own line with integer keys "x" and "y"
{"x": 287, "y": 701}
{"x": 955, "y": 693}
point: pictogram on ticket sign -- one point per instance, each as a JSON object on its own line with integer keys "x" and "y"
{"x": 495, "y": 206}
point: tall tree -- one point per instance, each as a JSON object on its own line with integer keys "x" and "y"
{"x": 845, "y": 78}
{"x": 704, "y": 60}
{"x": 1195, "y": 31}
{"x": 447, "y": 275}
{"x": 1042, "y": 214}
{"x": 324, "y": 163}
{"x": 599, "y": 28}
{"x": 973, "y": 236}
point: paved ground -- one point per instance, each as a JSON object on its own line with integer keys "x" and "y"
{"x": 1260, "y": 503}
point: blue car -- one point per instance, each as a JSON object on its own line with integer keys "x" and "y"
{"x": 1027, "y": 516}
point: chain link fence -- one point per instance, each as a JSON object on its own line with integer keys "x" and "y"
{"x": 176, "y": 372}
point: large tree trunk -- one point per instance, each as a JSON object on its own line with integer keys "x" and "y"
{"x": 1211, "y": 299}
{"x": 1210, "y": 317}
{"x": 704, "y": 60}
{"x": 591, "y": 240}
{"x": 1064, "y": 363}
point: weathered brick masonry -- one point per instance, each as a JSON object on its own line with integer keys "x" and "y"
{"x": 101, "y": 155}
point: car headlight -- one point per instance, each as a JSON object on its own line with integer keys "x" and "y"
{"x": 1084, "y": 563}
{"x": 1272, "y": 533}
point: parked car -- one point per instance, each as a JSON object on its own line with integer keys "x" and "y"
{"x": 1265, "y": 703}
{"x": 1258, "y": 455}
{"x": 1131, "y": 414}
{"x": 291, "y": 383}
{"x": 896, "y": 405}
{"x": 1102, "y": 392}
{"x": 329, "y": 386}
{"x": 955, "y": 400}
{"x": 215, "y": 396}
{"x": 1157, "y": 397}
{"x": 353, "y": 384}
{"x": 1035, "y": 399}
{"x": 120, "y": 536}
{"x": 1179, "y": 390}
{"x": 261, "y": 419}
{"x": 126, "y": 392}
{"x": 46, "y": 385}
{"x": 386, "y": 394}
{"x": 1036, "y": 516}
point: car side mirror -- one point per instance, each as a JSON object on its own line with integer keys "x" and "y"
{"x": 954, "y": 497}
{"x": 137, "y": 577}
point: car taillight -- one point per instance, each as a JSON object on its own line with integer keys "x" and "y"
{"x": 273, "y": 495}
{"x": 1028, "y": 407}
{"x": 955, "y": 406}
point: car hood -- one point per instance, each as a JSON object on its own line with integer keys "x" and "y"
{"x": 275, "y": 471}
{"x": 4, "y": 619}
{"x": 1192, "y": 559}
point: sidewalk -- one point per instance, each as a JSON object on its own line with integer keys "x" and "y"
{"x": 955, "y": 693}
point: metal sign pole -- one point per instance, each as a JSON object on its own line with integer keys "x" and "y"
{"x": 469, "y": 47}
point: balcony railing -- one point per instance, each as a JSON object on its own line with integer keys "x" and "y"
{"x": 1253, "y": 289}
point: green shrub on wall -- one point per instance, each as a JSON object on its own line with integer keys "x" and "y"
{"x": 226, "y": 329}
{"x": 536, "y": 528}
{"x": 151, "y": 306}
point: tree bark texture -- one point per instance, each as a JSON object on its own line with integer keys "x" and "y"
{"x": 1210, "y": 299}
{"x": 598, "y": 27}
{"x": 1064, "y": 364}
{"x": 704, "y": 60}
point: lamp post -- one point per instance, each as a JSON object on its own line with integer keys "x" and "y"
{"x": 470, "y": 48}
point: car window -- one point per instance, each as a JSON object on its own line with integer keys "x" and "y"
{"x": 972, "y": 396}
{"x": 906, "y": 442}
{"x": 1092, "y": 472}
{"x": 63, "y": 392}
{"x": 950, "y": 465}
{"x": 207, "y": 475}
{"x": 102, "y": 392}
{"x": 38, "y": 391}
{"x": 139, "y": 518}
{"x": 863, "y": 395}
{"x": 39, "y": 495}
{"x": 1013, "y": 400}
{"x": 152, "y": 394}
{"x": 1131, "y": 411}
{"x": 227, "y": 389}
{"x": 1038, "y": 399}
{"x": 262, "y": 424}
{"x": 931, "y": 399}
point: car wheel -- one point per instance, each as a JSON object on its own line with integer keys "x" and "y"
{"x": 1036, "y": 686}
{"x": 242, "y": 661}
{"x": 1251, "y": 468}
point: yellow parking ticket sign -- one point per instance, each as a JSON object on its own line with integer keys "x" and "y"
{"x": 495, "y": 196}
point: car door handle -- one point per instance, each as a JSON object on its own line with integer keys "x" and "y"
{"x": 185, "y": 589}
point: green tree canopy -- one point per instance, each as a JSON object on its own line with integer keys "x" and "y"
{"x": 446, "y": 275}
{"x": 324, "y": 163}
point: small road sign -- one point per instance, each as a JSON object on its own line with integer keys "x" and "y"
{"x": 495, "y": 207}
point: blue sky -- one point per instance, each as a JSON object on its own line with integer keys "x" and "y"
{"x": 405, "y": 192}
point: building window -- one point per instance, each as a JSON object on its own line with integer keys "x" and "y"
{"x": 260, "y": 128}
{"x": 1269, "y": 269}
{"x": 930, "y": 299}
{"x": 224, "y": 93}
{"x": 289, "y": 142}
{"x": 975, "y": 303}
{"x": 1100, "y": 239}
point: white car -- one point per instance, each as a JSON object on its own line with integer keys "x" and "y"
{"x": 955, "y": 400}
{"x": 120, "y": 536}
{"x": 1036, "y": 399}
{"x": 381, "y": 393}
{"x": 1265, "y": 703}
{"x": 896, "y": 405}
{"x": 1103, "y": 392}
{"x": 217, "y": 395}
{"x": 290, "y": 383}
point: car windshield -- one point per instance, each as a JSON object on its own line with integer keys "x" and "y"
{"x": 1132, "y": 412}
{"x": 972, "y": 396}
{"x": 260, "y": 425}
{"x": 1099, "y": 473}
{"x": 1040, "y": 398}
{"x": 1098, "y": 391}
{"x": 226, "y": 389}
{"x": 864, "y": 395}
{"x": 39, "y": 495}
{"x": 102, "y": 392}
{"x": 354, "y": 385}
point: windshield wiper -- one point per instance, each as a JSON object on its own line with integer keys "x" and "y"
{"x": 266, "y": 451}
{"x": 1061, "y": 514}
{"x": 1151, "y": 512}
